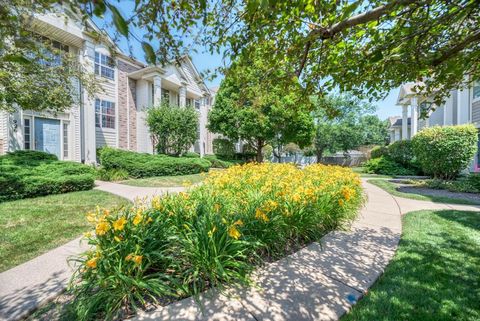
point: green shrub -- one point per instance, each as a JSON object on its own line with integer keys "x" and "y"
{"x": 443, "y": 152}
{"x": 26, "y": 174}
{"x": 146, "y": 165}
{"x": 378, "y": 151}
{"x": 223, "y": 148}
{"x": 114, "y": 174}
{"x": 174, "y": 130}
{"x": 218, "y": 163}
{"x": 191, "y": 155}
{"x": 401, "y": 152}
{"x": 385, "y": 166}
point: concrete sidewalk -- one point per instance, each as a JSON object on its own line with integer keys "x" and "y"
{"x": 134, "y": 192}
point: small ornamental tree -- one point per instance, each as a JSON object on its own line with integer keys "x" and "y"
{"x": 173, "y": 129}
{"x": 445, "y": 151}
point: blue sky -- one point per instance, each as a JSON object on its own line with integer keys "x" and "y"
{"x": 205, "y": 60}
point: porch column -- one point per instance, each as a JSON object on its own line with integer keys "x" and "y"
{"x": 182, "y": 93}
{"x": 202, "y": 126}
{"x": 157, "y": 90}
{"x": 404, "y": 122}
{"x": 414, "y": 117}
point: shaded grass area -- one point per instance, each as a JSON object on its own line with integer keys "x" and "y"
{"x": 33, "y": 226}
{"x": 434, "y": 274}
{"x": 391, "y": 188}
{"x": 165, "y": 181}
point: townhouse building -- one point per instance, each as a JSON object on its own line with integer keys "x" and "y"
{"x": 115, "y": 115}
{"x": 461, "y": 107}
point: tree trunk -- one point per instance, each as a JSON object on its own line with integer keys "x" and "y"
{"x": 319, "y": 154}
{"x": 259, "y": 157}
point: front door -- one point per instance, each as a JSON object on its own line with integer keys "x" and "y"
{"x": 47, "y": 135}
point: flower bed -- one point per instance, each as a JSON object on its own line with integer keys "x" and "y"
{"x": 182, "y": 244}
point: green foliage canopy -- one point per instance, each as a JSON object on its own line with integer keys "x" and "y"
{"x": 255, "y": 106}
{"x": 365, "y": 47}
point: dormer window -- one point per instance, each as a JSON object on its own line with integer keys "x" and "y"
{"x": 104, "y": 66}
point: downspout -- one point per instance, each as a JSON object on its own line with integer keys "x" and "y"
{"x": 82, "y": 124}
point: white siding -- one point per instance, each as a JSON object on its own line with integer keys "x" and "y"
{"x": 105, "y": 138}
{"x": 192, "y": 82}
{"x": 3, "y": 132}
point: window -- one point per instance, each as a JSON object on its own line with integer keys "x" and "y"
{"x": 165, "y": 96}
{"x": 197, "y": 103}
{"x": 153, "y": 94}
{"x": 26, "y": 133}
{"x": 52, "y": 51}
{"x": 476, "y": 89}
{"x": 189, "y": 102}
{"x": 104, "y": 114}
{"x": 65, "y": 140}
{"x": 104, "y": 66}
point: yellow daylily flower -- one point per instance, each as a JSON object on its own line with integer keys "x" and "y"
{"x": 119, "y": 224}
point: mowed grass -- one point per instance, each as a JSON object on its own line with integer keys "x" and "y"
{"x": 391, "y": 188}
{"x": 33, "y": 226}
{"x": 435, "y": 274}
{"x": 166, "y": 181}
{"x": 361, "y": 171}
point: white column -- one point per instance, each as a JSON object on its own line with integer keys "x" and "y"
{"x": 414, "y": 116}
{"x": 89, "y": 129}
{"x": 202, "y": 124}
{"x": 182, "y": 93}
{"x": 157, "y": 90}
{"x": 404, "y": 122}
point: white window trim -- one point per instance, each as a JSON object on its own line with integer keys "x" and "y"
{"x": 102, "y": 65}
{"x": 105, "y": 129}
{"x": 475, "y": 99}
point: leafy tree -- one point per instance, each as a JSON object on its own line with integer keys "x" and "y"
{"x": 254, "y": 106}
{"x": 375, "y": 131}
{"x": 173, "y": 129}
{"x": 365, "y": 47}
{"x": 343, "y": 123}
{"x": 35, "y": 74}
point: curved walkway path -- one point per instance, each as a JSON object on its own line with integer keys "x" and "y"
{"x": 319, "y": 282}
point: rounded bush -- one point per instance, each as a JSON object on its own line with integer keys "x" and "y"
{"x": 401, "y": 152}
{"x": 443, "y": 152}
{"x": 378, "y": 151}
{"x": 224, "y": 148}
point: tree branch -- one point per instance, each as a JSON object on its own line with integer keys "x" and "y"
{"x": 371, "y": 15}
{"x": 298, "y": 72}
{"x": 475, "y": 37}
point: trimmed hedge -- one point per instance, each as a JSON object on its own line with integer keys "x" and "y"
{"x": 219, "y": 163}
{"x": 25, "y": 174}
{"x": 146, "y": 165}
{"x": 443, "y": 152}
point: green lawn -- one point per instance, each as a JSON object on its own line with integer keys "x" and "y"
{"x": 390, "y": 188}
{"x": 166, "y": 181}
{"x": 33, "y": 226}
{"x": 361, "y": 171}
{"x": 435, "y": 274}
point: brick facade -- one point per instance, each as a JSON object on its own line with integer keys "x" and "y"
{"x": 127, "y": 95}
